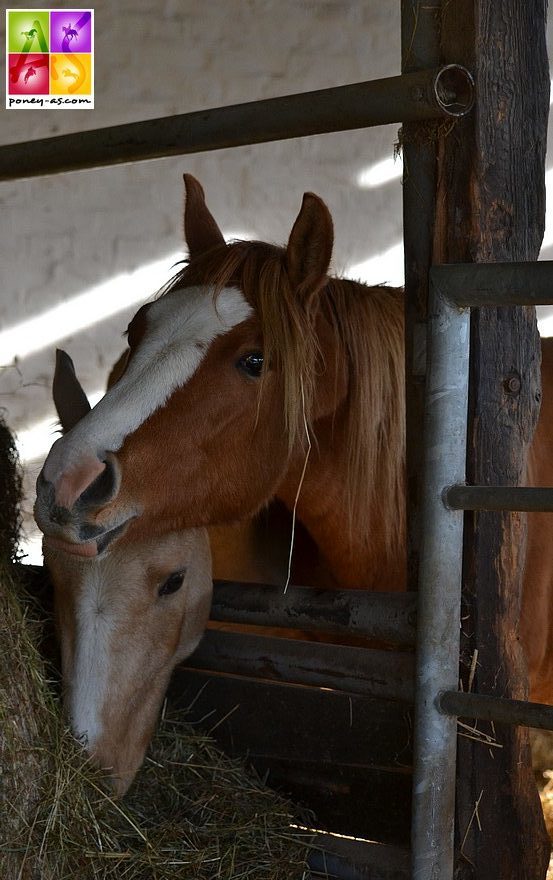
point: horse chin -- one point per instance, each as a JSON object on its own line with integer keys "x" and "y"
{"x": 87, "y": 549}
{"x": 84, "y": 551}
{"x": 104, "y": 541}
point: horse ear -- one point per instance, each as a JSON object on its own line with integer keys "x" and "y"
{"x": 69, "y": 398}
{"x": 310, "y": 244}
{"x": 200, "y": 228}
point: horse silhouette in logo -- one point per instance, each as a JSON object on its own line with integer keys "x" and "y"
{"x": 70, "y": 33}
{"x": 70, "y": 73}
{"x": 30, "y": 72}
{"x": 29, "y": 34}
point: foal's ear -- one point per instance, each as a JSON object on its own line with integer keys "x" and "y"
{"x": 70, "y": 400}
{"x": 310, "y": 244}
{"x": 200, "y": 228}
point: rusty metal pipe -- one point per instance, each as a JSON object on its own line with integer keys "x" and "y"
{"x": 428, "y": 94}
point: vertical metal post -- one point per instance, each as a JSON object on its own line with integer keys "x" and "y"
{"x": 437, "y": 666}
{"x": 420, "y": 42}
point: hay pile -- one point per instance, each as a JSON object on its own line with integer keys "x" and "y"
{"x": 546, "y": 796}
{"x": 10, "y": 494}
{"x": 192, "y": 814}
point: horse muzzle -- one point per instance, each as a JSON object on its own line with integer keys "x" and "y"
{"x": 73, "y": 525}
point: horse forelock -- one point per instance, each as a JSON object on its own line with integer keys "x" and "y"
{"x": 366, "y": 341}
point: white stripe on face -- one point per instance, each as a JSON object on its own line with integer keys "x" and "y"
{"x": 90, "y": 674}
{"x": 180, "y": 326}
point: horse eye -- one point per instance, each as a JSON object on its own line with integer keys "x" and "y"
{"x": 251, "y": 364}
{"x": 172, "y": 584}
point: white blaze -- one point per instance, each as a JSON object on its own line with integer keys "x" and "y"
{"x": 180, "y": 326}
{"x": 91, "y": 672}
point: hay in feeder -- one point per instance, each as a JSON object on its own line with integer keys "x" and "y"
{"x": 10, "y": 494}
{"x": 192, "y": 813}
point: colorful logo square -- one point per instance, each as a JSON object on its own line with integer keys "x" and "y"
{"x": 28, "y": 30}
{"x": 29, "y": 74}
{"x": 71, "y": 31}
{"x": 70, "y": 74}
{"x": 50, "y": 59}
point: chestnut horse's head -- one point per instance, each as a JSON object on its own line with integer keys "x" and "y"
{"x": 125, "y": 618}
{"x": 225, "y": 371}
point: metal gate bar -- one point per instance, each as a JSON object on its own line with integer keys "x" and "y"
{"x": 427, "y": 94}
{"x": 439, "y": 607}
{"x": 499, "y": 498}
{"x": 487, "y": 708}
{"x": 495, "y": 284}
{"x": 452, "y": 289}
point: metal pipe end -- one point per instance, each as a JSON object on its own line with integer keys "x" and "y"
{"x": 448, "y": 497}
{"x": 454, "y": 89}
{"x": 438, "y": 702}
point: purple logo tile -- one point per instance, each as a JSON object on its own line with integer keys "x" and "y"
{"x": 70, "y": 31}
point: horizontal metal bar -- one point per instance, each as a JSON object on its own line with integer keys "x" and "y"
{"x": 500, "y": 709}
{"x": 367, "y": 672}
{"x": 388, "y": 617}
{"x": 344, "y": 859}
{"x": 443, "y": 92}
{"x": 499, "y": 498}
{"x": 495, "y": 284}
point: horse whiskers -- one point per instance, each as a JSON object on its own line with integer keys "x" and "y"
{"x": 300, "y": 484}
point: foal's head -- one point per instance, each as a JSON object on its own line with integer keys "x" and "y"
{"x": 125, "y": 618}
{"x": 224, "y": 372}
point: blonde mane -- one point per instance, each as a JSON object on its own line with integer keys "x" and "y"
{"x": 367, "y": 324}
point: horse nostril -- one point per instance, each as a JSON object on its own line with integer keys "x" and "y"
{"x": 104, "y": 487}
{"x": 46, "y": 509}
{"x": 60, "y": 515}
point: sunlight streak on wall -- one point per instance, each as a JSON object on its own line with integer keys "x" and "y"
{"x": 384, "y": 268}
{"x": 380, "y": 173}
{"x": 548, "y": 234}
{"x": 545, "y": 325}
{"x": 84, "y": 310}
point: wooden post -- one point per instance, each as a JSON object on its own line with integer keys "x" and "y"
{"x": 491, "y": 201}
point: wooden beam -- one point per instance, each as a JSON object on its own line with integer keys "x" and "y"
{"x": 364, "y": 671}
{"x": 357, "y": 860}
{"x": 387, "y": 617}
{"x": 490, "y": 202}
{"x": 266, "y": 719}
{"x": 344, "y": 756}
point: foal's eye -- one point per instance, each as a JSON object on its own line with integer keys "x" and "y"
{"x": 172, "y": 584}
{"x": 251, "y": 364}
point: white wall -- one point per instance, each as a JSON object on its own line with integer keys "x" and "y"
{"x": 64, "y": 235}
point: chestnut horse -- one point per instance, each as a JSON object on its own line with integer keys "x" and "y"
{"x": 257, "y": 376}
{"x": 124, "y": 620}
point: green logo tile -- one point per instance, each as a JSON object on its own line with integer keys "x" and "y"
{"x": 28, "y": 30}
